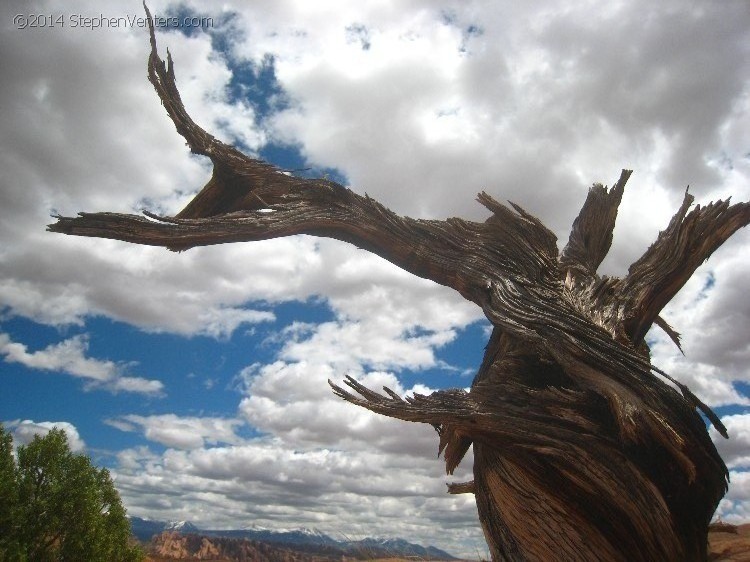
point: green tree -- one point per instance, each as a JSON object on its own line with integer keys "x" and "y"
{"x": 56, "y": 506}
{"x": 9, "y": 545}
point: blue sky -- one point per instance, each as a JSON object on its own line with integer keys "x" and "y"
{"x": 198, "y": 373}
{"x": 199, "y": 378}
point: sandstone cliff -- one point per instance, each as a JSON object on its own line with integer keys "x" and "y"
{"x": 175, "y": 546}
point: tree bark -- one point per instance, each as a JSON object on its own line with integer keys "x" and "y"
{"x": 580, "y": 451}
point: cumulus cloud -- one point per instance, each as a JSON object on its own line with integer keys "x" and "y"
{"x": 450, "y": 71}
{"x": 390, "y": 331}
{"x": 736, "y": 450}
{"x": 264, "y": 484}
{"x": 552, "y": 78}
{"x": 420, "y": 106}
{"x": 373, "y": 343}
{"x": 293, "y": 402}
{"x": 181, "y": 432}
{"x": 733, "y": 508}
{"x": 71, "y": 141}
{"x": 23, "y": 432}
{"x": 317, "y": 456}
{"x": 707, "y": 312}
{"x": 69, "y": 357}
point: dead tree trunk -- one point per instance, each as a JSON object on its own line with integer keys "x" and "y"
{"x": 580, "y": 451}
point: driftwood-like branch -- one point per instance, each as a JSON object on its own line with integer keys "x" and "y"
{"x": 549, "y": 443}
{"x": 580, "y": 451}
{"x": 666, "y": 266}
{"x": 461, "y": 487}
{"x": 501, "y": 264}
{"x": 591, "y": 235}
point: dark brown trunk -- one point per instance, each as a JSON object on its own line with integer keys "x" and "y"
{"x": 581, "y": 452}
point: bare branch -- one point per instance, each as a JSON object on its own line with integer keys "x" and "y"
{"x": 573, "y": 435}
{"x": 461, "y": 487}
{"x": 507, "y": 265}
{"x": 673, "y": 334}
{"x": 591, "y": 235}
{"x": 666, "y": 266}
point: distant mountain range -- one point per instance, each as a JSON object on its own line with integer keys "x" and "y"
{"x": 308, "y": 540}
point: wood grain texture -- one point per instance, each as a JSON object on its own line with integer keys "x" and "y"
{"x": 580, "y": 451}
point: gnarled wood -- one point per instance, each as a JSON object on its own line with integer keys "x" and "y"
{"x": 591, "y": 235}
{"x": 580, "y": 451}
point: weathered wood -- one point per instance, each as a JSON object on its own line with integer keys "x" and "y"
{"x": 580, "y": 451}
{"x": 592, "y": 232}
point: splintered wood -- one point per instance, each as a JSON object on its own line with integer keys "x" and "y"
{"x": 580, "y": 451}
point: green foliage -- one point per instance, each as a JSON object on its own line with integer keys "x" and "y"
{"x": 56, "y": 506}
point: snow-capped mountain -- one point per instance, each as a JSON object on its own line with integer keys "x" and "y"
{"x": 181, "y": 526}
{"x": 402, "y": 547}
{"x": 304, "y": 538}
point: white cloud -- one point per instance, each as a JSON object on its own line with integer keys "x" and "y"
{"x": 181, "y": 432}
{"x": 265, "y": 484}
{"x": 735, "y": 506}
{"x": 381, "y": 343}
{"x": 136, "y": 384}
{"x": 502, "y": 81}
{"x": 69, "y": 356}
{"x": 71, "y": 142}
{"x": 710, "y": 312}
{"x": 293, "y": 402}
{"x": 23, "y": 432}
{"x": 387, "y": 326}
{"x": 317, "y": 458}
{"x": 736, "y": 450}
{"x": 533, "y": 105}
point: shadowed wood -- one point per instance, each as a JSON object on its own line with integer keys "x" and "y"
{"x": 580, "y": 451}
